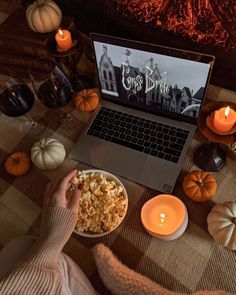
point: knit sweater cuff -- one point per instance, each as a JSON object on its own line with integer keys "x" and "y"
{"x": 57, "y": 225}
{"x": 57, "y": 221}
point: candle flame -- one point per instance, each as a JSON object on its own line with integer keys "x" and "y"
{"x": 61, "y": 32}
{"x": 162, "y": 217}
{"x": 227, "y": 112}
{"x": 13, "y": 93}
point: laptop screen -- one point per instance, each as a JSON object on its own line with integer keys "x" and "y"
{"x": 152, "y": 78}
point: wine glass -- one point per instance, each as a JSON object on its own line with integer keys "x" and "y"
{"x": 16, "y": 99}
{"x": 51, "y": 84}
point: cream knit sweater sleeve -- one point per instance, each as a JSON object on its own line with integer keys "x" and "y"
{"x": 37, "y": 273}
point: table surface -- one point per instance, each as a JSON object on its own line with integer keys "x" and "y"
{"x": 192, "y": 262}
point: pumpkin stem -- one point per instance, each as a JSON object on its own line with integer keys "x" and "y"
{"x": 16, "y": 160}
{"x": 200, "y": 182}
{"x": 234, "y": 220}
{"x": 40, "y": 2}
{"x": 42, "y": 146}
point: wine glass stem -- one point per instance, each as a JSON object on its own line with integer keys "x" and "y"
{"x": 66, "y": 111}
{"x": 32, "y": 122}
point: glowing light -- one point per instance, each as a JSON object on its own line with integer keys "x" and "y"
{"x": 61, "y": 33}
{"x": 227, "y": 112}
{"x": 162, "y": 217}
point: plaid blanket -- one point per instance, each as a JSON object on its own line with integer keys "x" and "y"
{"x": 192, "y": 262}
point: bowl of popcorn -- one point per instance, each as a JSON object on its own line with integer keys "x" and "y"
{"x": 103, "y": 203}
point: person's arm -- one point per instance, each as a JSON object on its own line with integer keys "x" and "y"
{"x": 121, "y": 280}
{"x": 37, "y": 272}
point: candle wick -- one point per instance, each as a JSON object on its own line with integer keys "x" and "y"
{"x": 226, "y": 112}
{"x": 61, "y": 33}
{"x": 162, "y": 217}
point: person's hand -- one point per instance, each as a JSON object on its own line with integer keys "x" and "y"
{"x": 55, "y": 195}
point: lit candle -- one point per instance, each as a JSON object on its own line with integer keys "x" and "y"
{"x": 164, "y": 217}
{"x": 224, "y": 119}
{"x": 63, "y": 39}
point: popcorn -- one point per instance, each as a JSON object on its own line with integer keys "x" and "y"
{"x": 102, "y": 203}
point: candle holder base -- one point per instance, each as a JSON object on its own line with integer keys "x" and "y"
{"x": 209, "y": 157}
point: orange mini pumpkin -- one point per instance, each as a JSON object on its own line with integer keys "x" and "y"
{"x": 86, "y": 100}
{"x": 18, "y": 163}
{"x": 199, "y": 186}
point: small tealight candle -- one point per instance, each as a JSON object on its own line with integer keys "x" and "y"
{"x": 63, "y": 39}
{"x": 164, "y": 217}
{"x": 224, "y": 119}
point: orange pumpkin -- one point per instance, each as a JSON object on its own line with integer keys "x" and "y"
{"x": 18, "y": 163}
{"x": 199, "y": 186}
{"x": 86, "y": 100}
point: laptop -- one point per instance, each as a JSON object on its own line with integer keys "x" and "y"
{"x": 151, "y": 97}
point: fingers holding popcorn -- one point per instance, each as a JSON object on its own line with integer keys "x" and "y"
{"x": 57, "y": 194}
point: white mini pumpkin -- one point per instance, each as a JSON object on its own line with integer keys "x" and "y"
{"x": 48, "y": 153}
{"x": 43, "y": 16}
{"x": 222, "y": 224}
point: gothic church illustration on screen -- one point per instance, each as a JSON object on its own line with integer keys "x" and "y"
{"x": 107, "y": 73}
{"x": 141, "y": 82}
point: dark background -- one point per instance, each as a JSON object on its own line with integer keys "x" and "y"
{"x": 102, "y": 16}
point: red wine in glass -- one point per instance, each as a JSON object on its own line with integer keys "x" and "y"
{"x": 16, "y": 100}
{"x": 51, "y": 84}
{"x": 54, "y": 94}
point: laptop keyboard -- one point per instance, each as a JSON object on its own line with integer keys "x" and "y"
{"x": 156, "y": 139}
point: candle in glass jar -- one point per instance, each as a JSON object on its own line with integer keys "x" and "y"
{"x": 164, "y": 217}
{"x": 224, "y": 119}
{"x": 63, "y": 39}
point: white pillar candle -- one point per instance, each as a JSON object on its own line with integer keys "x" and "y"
{"x": 164, "y": 217}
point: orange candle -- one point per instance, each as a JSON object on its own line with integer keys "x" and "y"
{"x": 63, "y": 39}
{"x": 224, "y": 119}
{"x": 164, "y": 217}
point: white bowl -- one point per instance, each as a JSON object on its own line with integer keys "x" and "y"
{"x": 108, "y": 176}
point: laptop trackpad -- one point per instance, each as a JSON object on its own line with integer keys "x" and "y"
{"x": 159, "y": 174}
{"x": 125, "y": 162}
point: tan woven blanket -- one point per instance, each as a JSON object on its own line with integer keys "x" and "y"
{"x": 192, "y": 262}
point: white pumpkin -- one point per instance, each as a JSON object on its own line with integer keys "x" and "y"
{"x": 48, "y": 153}
{"x": 222, "y": 224}
{"x": 43, "y": 16}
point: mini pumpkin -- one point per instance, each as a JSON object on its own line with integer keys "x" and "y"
{"x": 222, "y": 224}
{"x": 199, "y": 186}
{"x": 18, "y": 163}
{"x": 43, "y": 16}
{"x": 86, "y": 100}
{"x": 48, "y": 153}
